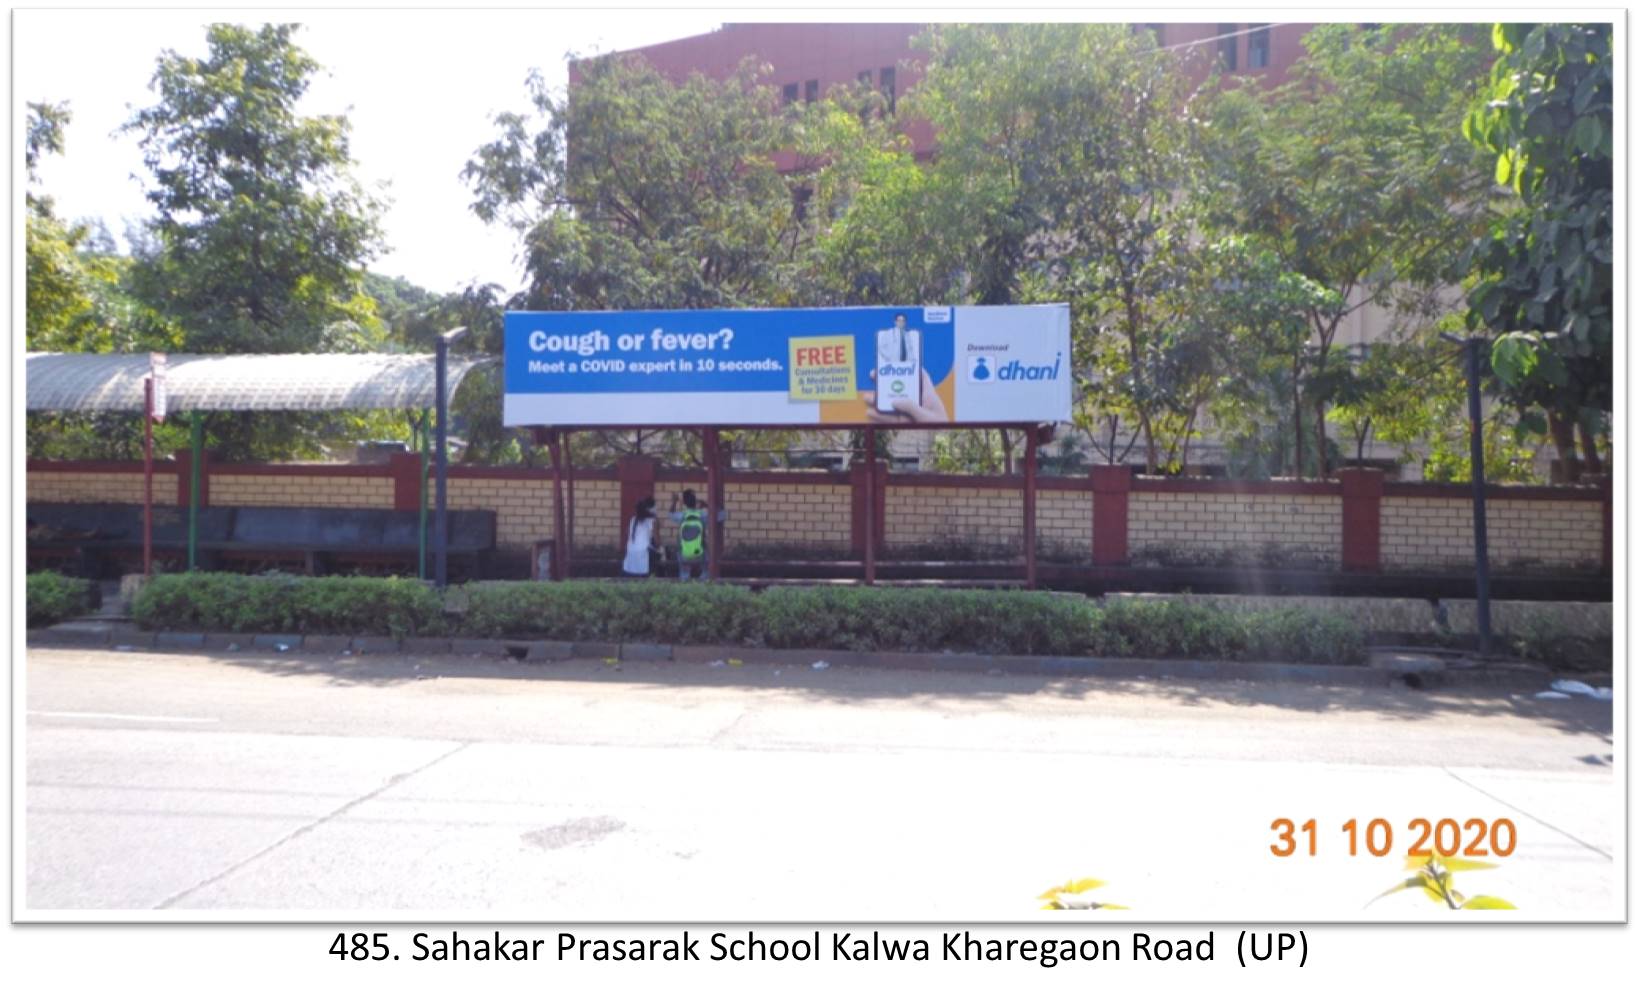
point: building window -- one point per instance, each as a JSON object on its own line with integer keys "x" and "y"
{"x": 889, "y": 82}
{"x": 1228, "y": 46}
{"x": 1257, "y": 47}
{"x": 812, "y": 93}
{"x": 789, "y": 96}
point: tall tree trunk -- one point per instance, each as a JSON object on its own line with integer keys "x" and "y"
{"x": 1563, "y": 432}
{"x": 1594, "y": 464}
{"x": 1151, "y": 458}
{"x": 1296, "y": 417}
{"x": 1321, "y": 454}
{"x": 1006, "y": 452}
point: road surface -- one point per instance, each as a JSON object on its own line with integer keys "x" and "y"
{"x": 161, "y": 785}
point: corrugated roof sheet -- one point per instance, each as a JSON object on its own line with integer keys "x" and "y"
{"x": 112, "y": 382}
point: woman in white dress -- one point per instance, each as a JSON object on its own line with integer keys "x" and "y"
{"x": 640, "y": 539}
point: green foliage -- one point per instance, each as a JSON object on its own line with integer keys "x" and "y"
{"x": 1171, "y": 628}
{"x": 867, "y": 619}
{"x": 863, "y": 619}
{"x": 1355, "y": 176}
{"x": 285, "y": 604}
{"x": 1545, "y": 280}
{"x": 53, "y": 597}
{"x": 261, "y": 231}
{"x": 671, "y": 199}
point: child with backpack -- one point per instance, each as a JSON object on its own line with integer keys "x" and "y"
{"x": 692, "y": 552}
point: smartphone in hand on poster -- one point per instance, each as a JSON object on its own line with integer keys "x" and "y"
{"x": 898, "y": 366}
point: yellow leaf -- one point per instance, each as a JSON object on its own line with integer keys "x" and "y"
{"x": 735, "y": 662}
{"x": 1072, "y": 886}
{"x": 1115, "y": 906}
{"x": 1415, "y": 882}
{"x": 1052, "y": 906}
{"x": 1488, "y": 903}
{"x": 611, "y": 660}
{"x": 1448, "y": 864}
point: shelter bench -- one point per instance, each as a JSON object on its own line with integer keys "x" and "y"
{"x": 97, "y": 540}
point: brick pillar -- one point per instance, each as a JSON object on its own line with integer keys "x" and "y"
{"x": 1111, "y": 486}
{"x": 405, "y": 469}
{"x": 184, "y": 478}
{"x": 856, "y": 478}
{"x": 637, "y": 475}
{"x": 1361, "y": 519}
{"x": 1609, "y": 525}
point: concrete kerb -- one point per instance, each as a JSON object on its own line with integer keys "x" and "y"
{"x": 1384, "y": 670}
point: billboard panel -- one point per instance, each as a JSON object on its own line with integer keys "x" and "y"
{"x": 800, "y": 366}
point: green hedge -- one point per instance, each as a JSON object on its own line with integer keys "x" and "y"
{"x": 285, "y": 604}
{"x": 53, "y": 597}
{"x": 850, "y": 618}
{"x": 1004, "y": 622}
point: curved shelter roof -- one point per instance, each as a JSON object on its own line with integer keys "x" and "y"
{"x": 112, "y": 382}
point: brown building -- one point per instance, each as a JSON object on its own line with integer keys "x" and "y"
{"x": 808, "y": 59}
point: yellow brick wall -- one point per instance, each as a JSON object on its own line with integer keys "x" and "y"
{"x": 1438, "y": 532}
{"x": 301, "y": 490}
{"x": 91, "y": 488}
{"x": 1213, "y": 522}
{"x": 523, "y": 508}
{"x": 1063, "y": 521}
{"x": 811, "y": 515}
{"x": 987, "y": 517}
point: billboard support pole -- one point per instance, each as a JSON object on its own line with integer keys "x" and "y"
{"x": 554, "y": 446}
{"x": 568, "y": 487}
{"x": 1031, "y": 436}
{"x": 870, "y": 507}
{"x": 710, "y": 443}
{"x": 148, "y": 477}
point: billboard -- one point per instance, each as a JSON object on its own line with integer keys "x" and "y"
{"x": 898, "y": 367}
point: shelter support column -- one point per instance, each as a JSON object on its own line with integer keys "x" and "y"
{"x": 1031, "y": 443}
{"x": 554, "y": 446}
{"x": 568, "y": 531}
{"x": 870, "y": 537}
{"x": 711, "y": 444}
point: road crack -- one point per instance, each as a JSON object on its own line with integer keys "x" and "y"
{"x": 341, "y": 810}
{"x": 1526, "y": 813}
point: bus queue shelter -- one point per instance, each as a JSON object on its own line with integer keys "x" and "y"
{"x": 198, "y": 384}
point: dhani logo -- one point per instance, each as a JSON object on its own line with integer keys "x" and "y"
{"x": 984, "y": 370}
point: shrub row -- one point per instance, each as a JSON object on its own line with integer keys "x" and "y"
{"x": 53, "y": 597}
{"x": 285, "y": 604}
{"x": 1010, "y": 622}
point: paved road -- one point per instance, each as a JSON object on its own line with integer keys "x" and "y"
{"x": 442, "y": 786}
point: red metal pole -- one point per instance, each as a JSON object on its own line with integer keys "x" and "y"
{"x": 148, "y": 477}
{"x": 1031, "y": 438}
{"x": 710, "y": 443}
{"x": 555, "y": 447}
{"x": 568, "y": 533}
{"x": 870, "y": 507}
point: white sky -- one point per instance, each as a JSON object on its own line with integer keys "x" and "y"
{"x": 418, "y": 86}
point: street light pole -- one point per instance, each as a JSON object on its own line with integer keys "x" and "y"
{"x": 440, "y": 522}
{"x": 1481, "y": 537}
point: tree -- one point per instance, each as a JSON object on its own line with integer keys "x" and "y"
{"x": 1354, "y": 175}
{"x": 1544, "y": 273}
{"x": 1260, "y": 312}
{"x": 261, "y": 231}
{"x": 1061, "y": 152}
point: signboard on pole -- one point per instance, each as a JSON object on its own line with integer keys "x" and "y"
{"x": 156, "y": 370}
{"x": 822, "y": 367}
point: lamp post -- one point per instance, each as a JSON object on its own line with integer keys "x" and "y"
{"x": 1481, "y": 539}
{"x": 440, "y": 521}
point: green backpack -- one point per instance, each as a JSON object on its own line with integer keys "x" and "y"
{"x": 691, "y": 537}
